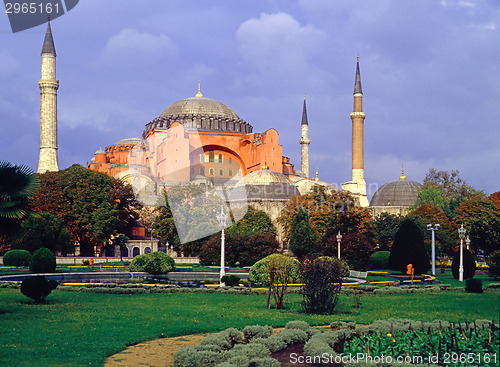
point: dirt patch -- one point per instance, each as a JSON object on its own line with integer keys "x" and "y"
{"x": 155, "y": 353}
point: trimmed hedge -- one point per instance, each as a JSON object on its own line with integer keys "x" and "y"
{"x": 17, "y": 258}
{"x": 380, "y": 260}
{"x": 43, "y": 261}
{"x": 259, "y": 277}
{"x": 154, "y": 263}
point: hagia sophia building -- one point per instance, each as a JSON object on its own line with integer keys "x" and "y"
{"x": 201, "y": 141}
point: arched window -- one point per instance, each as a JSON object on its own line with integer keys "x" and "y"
{"x": 149, "y": 187}
{"x": 193, "y": 171}
{"x": 202, "y": 171}
{"x": 211, "y": 156}
{"x": 230, "y": 160}
{"x": 147, "y": 250}
{"x": 221, "y": 172}
{"x": 231, "y": 173}
{"x": 211, "y": 172}
{"x": 135, "y": 232}
{"x": 136, "y": 251}
{"x": 220, "y": 157}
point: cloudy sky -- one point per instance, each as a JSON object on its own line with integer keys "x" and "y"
{"x": 430, "y": 73}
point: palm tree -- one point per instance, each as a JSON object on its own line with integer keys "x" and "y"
{"x": 18, "y": 184}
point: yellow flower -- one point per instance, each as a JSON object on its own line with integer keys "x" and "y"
{"x": 394, "y": 340}
{"x": 389, "y": 334}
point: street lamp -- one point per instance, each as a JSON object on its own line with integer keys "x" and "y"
{"x": 433, "y": 228}
{"x": 461, "y": 234}
{"x": 467, "y": 242}
{"x": 339, "y": 238}
{"x": 222, "y": 218}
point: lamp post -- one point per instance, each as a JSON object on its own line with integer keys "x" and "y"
{"x": 339, "y": 238}
{"x": 222, "y": 218}
{"x": 461, "y": 234}
{"x": 467, "y": 242}
{"x": 433, "y": 228}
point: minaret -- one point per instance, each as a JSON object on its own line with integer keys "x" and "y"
{"x": 357, "y": 185}
{"x": 304, "y": 142}
{"x": 48, "y": 106}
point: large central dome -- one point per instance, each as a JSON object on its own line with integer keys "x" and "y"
{"x": 200, "y": 113}
{"x": 199, "y": 106}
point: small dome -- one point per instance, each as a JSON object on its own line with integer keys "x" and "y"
{"x": 400, "y": 192}
{"x": 307, "y": 186}
{"x": 100, "y": 151}
{"x": 265, "y": 184}
{"x": 129, "y": 141}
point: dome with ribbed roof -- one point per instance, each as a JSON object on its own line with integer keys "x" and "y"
{"x": 400, "y": 192}
{"x": 200, "y": 113}
{"x": 266, "y": 184}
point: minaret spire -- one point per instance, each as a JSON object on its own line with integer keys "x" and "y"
{"x": 304, "y": 141}
{"x": 48, "y": 85}
{"x": 199, "y": 91}
{"x": 357, "y": 185}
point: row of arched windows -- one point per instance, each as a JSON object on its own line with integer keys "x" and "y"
{"x": 211, "y": 171}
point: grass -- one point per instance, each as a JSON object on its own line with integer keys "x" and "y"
{"x": 75, "y": 329}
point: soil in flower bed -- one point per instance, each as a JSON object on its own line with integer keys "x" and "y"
{"x": 297, "y": 350}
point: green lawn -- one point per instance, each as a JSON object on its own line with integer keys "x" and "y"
{"x": 76, "y": 329}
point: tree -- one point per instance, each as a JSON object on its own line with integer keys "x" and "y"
{"x": 355, "y": 249}
{"x": 254, "y": 221}
{"x": 482, "y": 220}
{"x": 45, "y": 230}
{"x": 495, "y": 198}
{"x": 468, "y": 262}
{"x": 408, "y": 248}
{"x": 302, "y": 241}
{"x": 279, "y": 270}
{"x": 328, "y": 213}
{"x": 384, "y": 228}
{"x": 88, "y": 203}
{"x": 18, "y": 184}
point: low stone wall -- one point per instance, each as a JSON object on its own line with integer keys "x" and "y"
{"x": 78, "y": 260}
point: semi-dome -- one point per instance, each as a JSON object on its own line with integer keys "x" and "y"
{"x": 200, "y": 113}
{"x": 400, "y": 192}
{"x": 129, "y": 141}
{"x": 265, "y": 184}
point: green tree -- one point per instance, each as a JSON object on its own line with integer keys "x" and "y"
{"x": 254, "y": 221}
{"x": 408, "y": 248}
{"x": 85, "y": 201}
{"x": 302, "y": 241}
{"x": 384, "y": 228}
{"x": 18, "y": 184}
{"x": 45, "y": 230}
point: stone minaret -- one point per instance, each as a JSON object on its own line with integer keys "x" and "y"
{"x": 357, "y": 185}
{"x": 304, "y": 142}
{"x": 48, "y": 106}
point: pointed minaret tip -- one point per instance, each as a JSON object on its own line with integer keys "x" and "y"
{"x": 304, "y": 113}
{"x": 357, "y": 82}
{"x": 317, "y": 172}
{"x": 48, "y": 43}
{"x": 199, "y": 91}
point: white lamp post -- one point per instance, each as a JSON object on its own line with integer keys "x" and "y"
{"x": 467, "y": 242}
{"x": 461, "y": 234}
{"x": 222, "y": 218}
{"x": 339, "y": 238}
{"x": 433, "y": 228}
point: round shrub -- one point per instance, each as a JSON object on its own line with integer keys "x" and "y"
{"x": 380, "y": 260}
{"x": 16, "y": 258}
{"x": 293, "y": 336}
{"x": 468, "y": 262}
{"x": 231, "y": 280}
{"x": 474, "y": 285}
{"x": 256, "y": 331}
{"x": 154, "y": 263}
{"x": 493, "y": 263}
{"x": 259, "y": 277}
{"x": 274, "y": 343}
{"x": 37, "y": 288}
{"x": 43, "y": 261}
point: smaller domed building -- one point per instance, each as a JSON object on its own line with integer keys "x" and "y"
{"x": 395, "y": 197}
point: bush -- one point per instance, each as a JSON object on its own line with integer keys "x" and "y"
{"x": 258, "y": 276}
{"x": 37, "y": 288}
{"x": 256, "y": 331}
{"x": 154, "y": 263}
{"x": 300, "y": 325}
{"x": 355, "y": 249}
{"x": 224, "y": 340}
{"x": 380, "y": 260}
{"x": 274, "y": 343}
{"x": 493, "y": 263}
{"x": 468, "y": 262}
{"x": 409, "y": 248}
{"x": 293, "y": 336}
{"x": 231, "y": 280}
{"x": 16, "y": 258}
{"x": 265, "y": 362}
{"x": 252, "y": 350}
{"x": 473, "y": 285}
{"x": 43, "y": 261}
{"x": 322, "y": 278}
